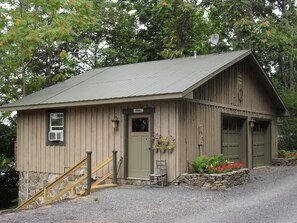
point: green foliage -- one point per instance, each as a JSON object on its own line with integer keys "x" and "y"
{"x": 214, "y": 164}
{"x": 288, "y": 133}
{"x": 288, "y": 125}
{"x": 281, "y": 152}
{"x": 8, "y": 183}
{"x": 243, "y": 28}
{"x": 286, "y": 154}
{"x": 7, "y": 138}
{"x": 4, "y": 160}
{"x": 200, "y": 164}
{"x": 216, "y": 160}
{"x": 33, "y": 37}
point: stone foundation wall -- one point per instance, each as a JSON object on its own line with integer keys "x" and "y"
{"x": 136, "y": 182}
{"x": 220, "y": 181}
{"x": 32, "y": 182}
{"x": 284, "y": 162}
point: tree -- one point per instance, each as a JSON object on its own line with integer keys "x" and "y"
{"x": 288, "y": 125}
{"x": 150, "y": 30}
{"x": 282, "y": 45}
{"x": 8, "y": 182}
{"x": 184, "y": 28}
{"x": 7, "y": 138}
{"x": 34, "y": 41}
{"x": 242, "y": 24}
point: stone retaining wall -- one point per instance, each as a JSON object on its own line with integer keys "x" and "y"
{"x": 284, "y": 162}
{"x": 220, "y": 181}
{"x": 32, "y": 182}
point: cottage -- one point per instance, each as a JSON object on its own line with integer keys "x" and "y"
{"x": 217, "y": 103}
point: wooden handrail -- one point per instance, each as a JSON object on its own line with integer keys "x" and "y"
{"x": 70, "y": 171}
{"x": 45, "y": 190}
{"x": 82, "y": 178}
{"x": 62, "y": 177}
{"x": 30, "y": 200}
{"x": 51, "y": 185}
{"x": 101, "y": 179}
{"x": 100, "y": 165}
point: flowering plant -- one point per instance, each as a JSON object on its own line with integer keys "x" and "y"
{"x": 214, "y": 164}
{"x": 230, "y": 166}
{"x": 163, "y": 143}
{"x": 286, "y": 154}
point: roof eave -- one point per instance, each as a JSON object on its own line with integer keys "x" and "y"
{"x": 94, "y": 102}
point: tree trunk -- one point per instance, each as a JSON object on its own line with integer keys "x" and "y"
{"x": 48, "y": 67}
{"x": 283, "y": 72}
{"x": 22, "y": 55}
{"x": 291, "y": 72}
{"x": 251, "y": 16}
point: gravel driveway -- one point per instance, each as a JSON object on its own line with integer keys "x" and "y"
{"x": 270, "y": 196}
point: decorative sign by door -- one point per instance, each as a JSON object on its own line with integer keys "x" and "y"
{"x": 138, "y": 110}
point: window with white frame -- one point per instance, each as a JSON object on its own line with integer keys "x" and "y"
{"x": 56, "y": 127}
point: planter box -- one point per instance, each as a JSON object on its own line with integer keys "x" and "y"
{"x": 284, "y": 162}
{"x": 220, "y": 181}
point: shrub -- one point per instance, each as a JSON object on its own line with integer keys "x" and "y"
{"x": 8, "y": 183}
{"x": 217, "y": 160}
{"x": 200, "y": 164}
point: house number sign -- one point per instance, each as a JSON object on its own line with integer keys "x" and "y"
{"x": 138, "y": 110}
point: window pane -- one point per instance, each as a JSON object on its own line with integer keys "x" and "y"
{"x": 140, "y": 124}
{"x": 57, "y": 120}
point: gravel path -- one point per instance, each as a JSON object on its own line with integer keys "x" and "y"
{"x": 270, "y": 196}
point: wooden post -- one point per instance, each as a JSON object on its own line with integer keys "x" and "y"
{"x": 114, "y": 175}
{"x": 89, "y": 172}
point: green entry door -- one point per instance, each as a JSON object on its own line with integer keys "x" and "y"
{"x": 138, "y": 146}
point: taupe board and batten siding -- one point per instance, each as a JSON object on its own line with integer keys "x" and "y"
{"x": 31, "y": 151}
{"x": 88, "y": 129}
{"x": 165, "y": 123}
{"x": 210, "y": 117}
{"x": 224, "y": 89}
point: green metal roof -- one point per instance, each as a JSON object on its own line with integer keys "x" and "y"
{"x": 164, "y": 79}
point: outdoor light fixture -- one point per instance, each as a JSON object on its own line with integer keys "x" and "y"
{"x": 252, "y": 123}
{"x": 115, "y": 122}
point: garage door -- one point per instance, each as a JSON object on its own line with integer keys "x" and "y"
{"x": 261, "y": 144}
{"x": 233, "y": 139}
